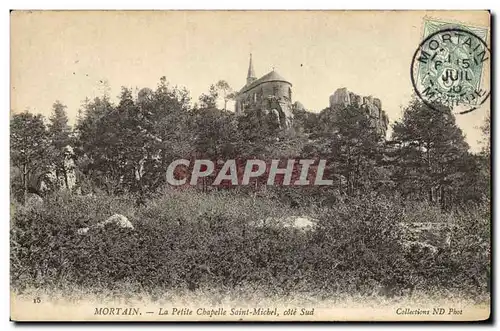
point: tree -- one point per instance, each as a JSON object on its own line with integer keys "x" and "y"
{"x": 347, "y": 139}
{"x": 258, "y": 133}
{"x": 479, "y": 174}
{"x": 209, "y": 100}
{"x": 215, "y": 91}
{"x": 29, "y": 146}
{"x": 128, "y": 147}
{"x": 59, "y": 133}
{"x": 215, "y": 134}
{"x": 303, "y": 119}
{"x": 95, "y": 133}
{"x": 430, "y": 148}
{"x": 170, "y": 128}
{"x": 113, "y": 140}
{"x": 486, "y": 131}
{"x": 227, "y": 92}
{"x": 473, "y": 185}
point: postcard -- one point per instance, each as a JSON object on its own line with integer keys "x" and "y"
{"x": 250, "y": 166}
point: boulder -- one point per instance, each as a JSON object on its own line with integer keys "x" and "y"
{"x": 117, "y": 220}
{"x": 33, "y": 201}
{"x": 423, "y": 246}
{"x": 300, "y": 222}
{"x": 82, "y": 231}
{"x": 275, "y": 112}
{"x": 304, "y": 223}
{"x": 426, "y": 235}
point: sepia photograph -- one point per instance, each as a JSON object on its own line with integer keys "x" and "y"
{"x": 250, "y": 165}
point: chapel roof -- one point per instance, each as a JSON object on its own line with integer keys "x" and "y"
{"x": 271, "y": 76}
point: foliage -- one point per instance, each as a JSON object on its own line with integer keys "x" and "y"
{"x": 431, "y": 155}
{"x": 190, "y": 237}
{"x": 128, "y": 147}
{"x": 348, "y": 140}
{"x": 60, "y": 138}
{"x": 29, "y": 150}
{"x": 187, "y": 239}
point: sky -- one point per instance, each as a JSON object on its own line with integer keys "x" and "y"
{"x": 69, "y": 56}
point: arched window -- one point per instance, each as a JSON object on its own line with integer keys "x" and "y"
{"x": 255, "y": 97}
{"x": 275, "y": 90}
{"x": 290, "y": 93}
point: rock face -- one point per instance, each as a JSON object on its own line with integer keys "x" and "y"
{"x": 342, "y": 97}
{"x": 69, "y": 165}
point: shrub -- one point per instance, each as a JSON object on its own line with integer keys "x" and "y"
{"x": 187, "y": 239}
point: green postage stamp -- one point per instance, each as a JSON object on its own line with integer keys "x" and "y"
{"x": 448, "y": 67}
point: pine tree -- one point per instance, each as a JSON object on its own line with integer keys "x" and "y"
{"x": 29, "y": 147}
{"x": 60, "y": 137}
{"x": 430, "y": 148}
{"x": 349, "y": 142}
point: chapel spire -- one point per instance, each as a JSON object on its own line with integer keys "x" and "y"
{"x": 251, "y": 72}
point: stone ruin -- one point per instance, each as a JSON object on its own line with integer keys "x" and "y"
{"x": 372, "y": 106}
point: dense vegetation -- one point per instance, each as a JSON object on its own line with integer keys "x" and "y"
{"x": 202, "y": 236}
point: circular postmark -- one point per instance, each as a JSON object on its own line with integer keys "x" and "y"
{"x": 448, "y": 68}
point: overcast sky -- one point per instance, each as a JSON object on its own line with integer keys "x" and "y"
{"x": 67, "y": 55}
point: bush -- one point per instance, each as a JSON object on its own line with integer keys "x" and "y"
{"x": 186, "y": 239}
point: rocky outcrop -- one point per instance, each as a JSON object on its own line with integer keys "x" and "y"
{"x": 281, "y": 108}
{"x": 342, "y": 97}
{"x": 286, "y": 114}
